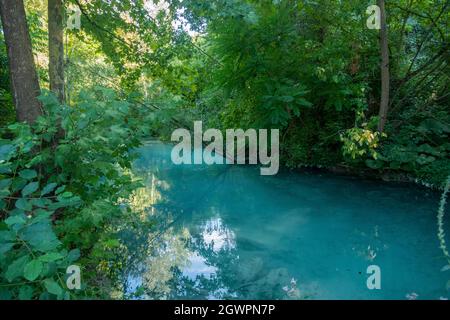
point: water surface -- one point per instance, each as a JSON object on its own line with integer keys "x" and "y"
{"x": 215, "y": 232}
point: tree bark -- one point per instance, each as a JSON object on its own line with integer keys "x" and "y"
{"x": 56, "y": 48}
{"x": 385, "y": 77}
{"x": 24, "y": 79}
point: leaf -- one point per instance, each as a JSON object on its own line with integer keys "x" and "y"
{"x": 4, "y": 193}
{"x": 28, "y": 174}
{"x": 50, "y": 257}
{"x": 7, "y": 236}
{"x": 40, "y": 202}
{"x": 73, "y": 255}
{"x": 5, "y": 247}
{"x": 5, "y": 168}
{"x": 60, "y": 189}
{"x": 15, "y": 269}
{"x": 48, "y": 188}
{"x": 26, "y": 293}
{"x": 14, "y": 220}
{"x": 5, "y": 183}
{"x": 30, "y": 188}
{"x": 32, "y": 270}
{"x": 52, "y": 287}
{"x": 18, "y": 184}
{"x": 23, "y": 204}
{"x": 41, "y": 236}
{"x": 304, "y": 102}
{"x": 5, "y": 151}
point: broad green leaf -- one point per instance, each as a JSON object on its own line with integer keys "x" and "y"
{"x": 28, "y": 174}
{"x": 6, "y": 151}
{"x": 5, "y": 183}
{"x": 60, "y": 189}
{"x": 18, "y": 184}
{"x": 4, "y": 193}
{"x": 2, "y": 204}
{"x": 5, "y": 168}
{"x": 15, "y": 269}
{"x": 23, "y": 204}
{"x": 40, "y": 202}
{"x": 50, "y": 257}
{"x": 5, "y": 247}
{"x": 73, "y": 255}
{"x": 52, "y": 287}
{"x": 30, "y": 188}
{"x": 48, "y": 188}
{"x": 41, "y": 236}
{"x": 7, "y": 236}
{"x": 14, "y": 220}
{"x": 32, "y": 270}
{"x": 26, "y": 293}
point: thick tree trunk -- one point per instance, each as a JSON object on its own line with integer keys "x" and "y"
{"x": 24, "y": 79}
{"x": 385, "y": 78}
{"x": 56, "y": 48}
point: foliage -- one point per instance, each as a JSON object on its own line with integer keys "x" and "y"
{"x": 311, "y": 69}
{"x": 6, "y": 104}
{"x": 308, "y": 68}
{"x": 61, "y": 194}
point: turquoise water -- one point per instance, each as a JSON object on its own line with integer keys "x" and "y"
{"x": 214, "y": 232}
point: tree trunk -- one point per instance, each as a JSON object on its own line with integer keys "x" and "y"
{"x": 24, "y": 79}
{"x": 385, "y": 78}
{"x": 56, "y": 48}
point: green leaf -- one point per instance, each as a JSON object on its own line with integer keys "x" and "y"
{"x": 50, "y": 257}
{"x": 23, "y": 204}
{"x": 30, "y": 188}
{"x": 7, "y": 236}
{"x": 48, "y": 188}
{"x": 41, "y": 236}
{"x": 60, "y": 189}
{"x": 15, "y": 269}
{"x": 4, "y": 193}
{"x": 40, "y": 202}
{"x": 73, "y": 255}
{"x": 26, "y": 293}
{"x": 5, "y": 183}
{"x": 14, "y": 220}
{"x": 32, "y": 270}
{"x": 5, "y": 247}
{"x": 18, "y": 184}
{"x": 28, "y": 174}
{"x": 6, "y": 151}
{"x": 52, "y": 287}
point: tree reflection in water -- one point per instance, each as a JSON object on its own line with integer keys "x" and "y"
{"x": 166, "y": 260}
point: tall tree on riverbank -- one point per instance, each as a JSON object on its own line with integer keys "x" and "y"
{"x": 385, "y": 77}
{"x": 56, "y": 47}
{"x": 24, "y": 79}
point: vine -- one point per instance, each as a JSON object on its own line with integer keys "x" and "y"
{"x": 440, "y": 218}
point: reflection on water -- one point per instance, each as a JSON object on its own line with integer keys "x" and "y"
{"x": 225, "y": 232}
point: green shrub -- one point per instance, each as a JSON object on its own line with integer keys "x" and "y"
{"x": 60, "y": 190}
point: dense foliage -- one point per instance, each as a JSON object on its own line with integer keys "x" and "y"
{"x": 308, "y": 68}
{"x": 83, "y": 177}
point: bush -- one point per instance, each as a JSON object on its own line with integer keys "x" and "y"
{"x": 61, "y": 183}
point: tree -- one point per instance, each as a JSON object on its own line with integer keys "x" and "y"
{"x": 385, "y": 77}
{"x": 24, "y": 79}
{"x": 56, "y": 48}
